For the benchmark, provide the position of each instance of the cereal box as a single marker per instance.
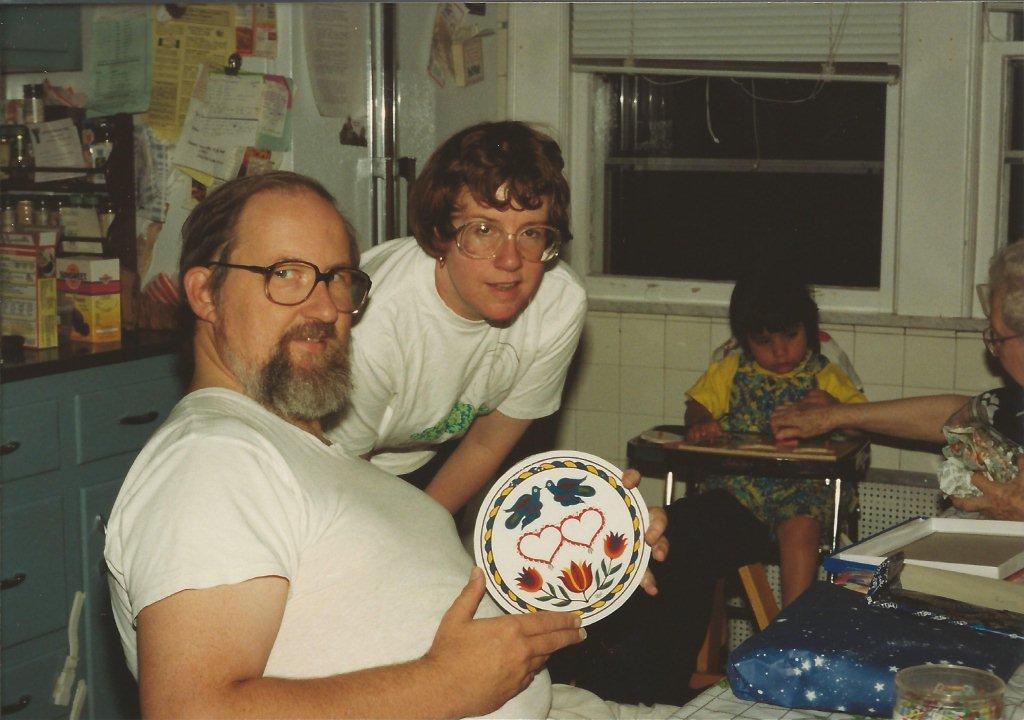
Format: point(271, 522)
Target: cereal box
point(28, 287)
point(90, 298)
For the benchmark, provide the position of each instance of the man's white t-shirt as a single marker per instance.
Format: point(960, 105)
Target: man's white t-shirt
point(226, 491)
point(422, 373)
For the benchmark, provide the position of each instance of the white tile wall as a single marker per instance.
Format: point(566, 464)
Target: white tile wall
point(633, 371)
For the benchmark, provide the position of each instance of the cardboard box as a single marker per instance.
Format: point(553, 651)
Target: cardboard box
point(90, 298)
point(989, 548)
point(28, 286)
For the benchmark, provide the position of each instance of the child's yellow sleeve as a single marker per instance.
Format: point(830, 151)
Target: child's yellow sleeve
point(713, 388)
point(838, 384)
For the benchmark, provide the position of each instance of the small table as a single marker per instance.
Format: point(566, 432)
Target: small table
point(663, 449)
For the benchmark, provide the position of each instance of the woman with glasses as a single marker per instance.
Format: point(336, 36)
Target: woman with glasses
point(922, 418)
point(472, 322)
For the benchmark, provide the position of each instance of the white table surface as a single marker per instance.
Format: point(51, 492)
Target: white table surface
point(718, 703)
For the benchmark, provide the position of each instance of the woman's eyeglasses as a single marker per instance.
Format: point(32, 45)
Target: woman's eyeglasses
point(481, 240)
point(994, 343)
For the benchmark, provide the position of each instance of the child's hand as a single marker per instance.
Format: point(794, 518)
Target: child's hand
point(707, 430)
point(818, 397)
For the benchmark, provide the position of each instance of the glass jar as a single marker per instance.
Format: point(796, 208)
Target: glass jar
point(17, 141)
point(947, 692)
point(107, 214)
point(33, 110)
point(41, 216)
point(7, 216)
point(25, 212)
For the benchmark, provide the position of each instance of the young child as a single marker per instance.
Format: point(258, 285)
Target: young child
point(776, 322)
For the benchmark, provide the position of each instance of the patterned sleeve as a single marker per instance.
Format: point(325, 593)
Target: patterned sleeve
point(713, 388)
point(838, 384)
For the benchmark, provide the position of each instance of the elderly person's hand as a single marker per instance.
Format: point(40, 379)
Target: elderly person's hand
point(655, 535)
point(818, 397)
point(1002, 501)
point(807, 418)
point(708, 430)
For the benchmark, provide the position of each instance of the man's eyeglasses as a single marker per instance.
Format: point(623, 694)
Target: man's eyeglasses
point(291, 282)
point(993, 342)
point(481, 240)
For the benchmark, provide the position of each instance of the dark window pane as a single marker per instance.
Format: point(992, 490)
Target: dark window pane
point(1015, 97)
point(708, 225)
point(1015, 205)
point(804, 178)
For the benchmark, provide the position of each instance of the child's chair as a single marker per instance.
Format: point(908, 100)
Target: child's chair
point(758, 591)
point(708, 669)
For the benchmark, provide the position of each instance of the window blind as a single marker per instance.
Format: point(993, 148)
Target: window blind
point(737, 33)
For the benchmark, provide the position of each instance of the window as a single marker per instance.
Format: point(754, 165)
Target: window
point(1001, 153)
point(707, 135)
point(705, 176)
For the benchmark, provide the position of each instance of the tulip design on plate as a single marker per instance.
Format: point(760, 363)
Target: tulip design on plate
point(614, 545)
point(578, 577)
point(529, 580)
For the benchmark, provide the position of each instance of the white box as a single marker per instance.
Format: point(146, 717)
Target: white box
point(989, 548)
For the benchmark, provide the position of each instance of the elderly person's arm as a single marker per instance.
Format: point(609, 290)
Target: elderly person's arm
point(919, 418)
point(1001, 501)
point(202, 653)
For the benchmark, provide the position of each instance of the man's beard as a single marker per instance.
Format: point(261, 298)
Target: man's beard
point(308, 393)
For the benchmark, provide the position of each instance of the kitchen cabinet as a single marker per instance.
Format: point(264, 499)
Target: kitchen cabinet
point(69, 436)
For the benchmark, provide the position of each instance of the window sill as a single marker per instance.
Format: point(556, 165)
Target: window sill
point(828, 317)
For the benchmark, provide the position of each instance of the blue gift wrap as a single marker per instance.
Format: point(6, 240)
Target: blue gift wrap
point(830, 650)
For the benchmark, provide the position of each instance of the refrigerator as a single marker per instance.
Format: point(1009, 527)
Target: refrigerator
point(388, 97)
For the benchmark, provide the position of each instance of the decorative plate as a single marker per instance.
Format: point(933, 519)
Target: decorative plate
point(560, 532)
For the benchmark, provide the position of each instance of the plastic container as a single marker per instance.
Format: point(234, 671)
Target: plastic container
point(945, 692)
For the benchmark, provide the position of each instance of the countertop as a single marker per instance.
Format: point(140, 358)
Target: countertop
point(25, 364)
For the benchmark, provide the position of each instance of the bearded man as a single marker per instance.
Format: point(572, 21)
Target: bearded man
point(256, 569)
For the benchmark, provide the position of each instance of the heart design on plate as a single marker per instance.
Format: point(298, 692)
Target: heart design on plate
point(582, 528)
point(542, 545)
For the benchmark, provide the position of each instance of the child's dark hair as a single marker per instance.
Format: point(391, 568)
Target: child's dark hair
point(772, 300)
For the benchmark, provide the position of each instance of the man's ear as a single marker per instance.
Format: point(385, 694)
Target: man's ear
point(199, 293)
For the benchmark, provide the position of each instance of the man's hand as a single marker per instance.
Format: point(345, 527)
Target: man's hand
point(803, 419)
point(655, 535)
point(708, 430)
point(1002, 501)
point(487, 661)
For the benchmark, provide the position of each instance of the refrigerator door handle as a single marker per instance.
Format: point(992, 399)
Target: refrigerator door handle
point(407, 172)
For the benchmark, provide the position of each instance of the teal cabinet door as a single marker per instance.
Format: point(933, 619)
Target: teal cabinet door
point(26, 684)
point(30, 443)
point(34, 577)
point(110, 422)
point(113, 692)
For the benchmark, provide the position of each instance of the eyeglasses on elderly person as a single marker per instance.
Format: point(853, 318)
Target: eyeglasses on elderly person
point(291, 282)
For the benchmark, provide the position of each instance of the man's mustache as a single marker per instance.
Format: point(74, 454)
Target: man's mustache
point(315, 330)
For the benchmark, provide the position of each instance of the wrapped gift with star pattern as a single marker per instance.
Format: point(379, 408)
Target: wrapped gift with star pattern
point(830, 650)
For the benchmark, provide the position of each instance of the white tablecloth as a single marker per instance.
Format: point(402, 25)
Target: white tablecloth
point(718, 703)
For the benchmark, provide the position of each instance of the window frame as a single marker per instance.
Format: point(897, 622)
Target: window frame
point(587, 180)
point(993, 173)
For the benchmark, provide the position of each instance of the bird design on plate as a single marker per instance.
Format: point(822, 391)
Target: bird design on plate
point(525, 510)
point(569, 491)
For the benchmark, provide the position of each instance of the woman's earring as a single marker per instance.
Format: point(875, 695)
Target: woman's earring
point(442, 260)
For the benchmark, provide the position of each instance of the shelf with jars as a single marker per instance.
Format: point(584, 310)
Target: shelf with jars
point(95, 210)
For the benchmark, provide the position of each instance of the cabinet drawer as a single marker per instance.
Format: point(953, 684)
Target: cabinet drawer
point(34, 594)
point(30, 443)
point(121, 419)
point(29, 673)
